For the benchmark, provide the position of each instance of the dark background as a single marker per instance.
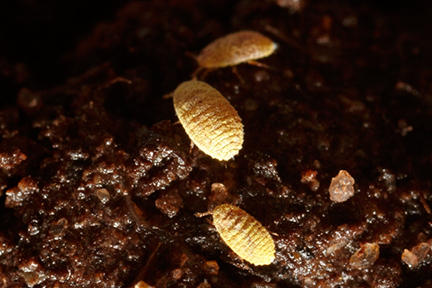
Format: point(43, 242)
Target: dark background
point(38, 33)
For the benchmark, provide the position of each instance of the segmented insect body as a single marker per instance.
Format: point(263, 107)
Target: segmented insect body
point(209, 119)
point(236, 48)
point(244, 234)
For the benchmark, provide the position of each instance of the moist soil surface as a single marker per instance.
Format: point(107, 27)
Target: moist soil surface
point(100, 186)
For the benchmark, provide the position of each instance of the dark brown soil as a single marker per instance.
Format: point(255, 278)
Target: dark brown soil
point(99, 187)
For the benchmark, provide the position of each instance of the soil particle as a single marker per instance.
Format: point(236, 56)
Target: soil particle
point(341, 187)
point(100, 188)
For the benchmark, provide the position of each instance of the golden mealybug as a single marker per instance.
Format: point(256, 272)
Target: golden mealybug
point(235, 48)
point(244, 234)
point(209, 119)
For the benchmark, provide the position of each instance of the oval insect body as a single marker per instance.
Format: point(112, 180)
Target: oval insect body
point(244, 234)
point(209, 119)
point(236, 48)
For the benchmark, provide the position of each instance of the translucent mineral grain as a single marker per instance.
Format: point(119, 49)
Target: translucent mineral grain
point(142, 284)
point(365, 256)
point(417, 254)
point(341, 187)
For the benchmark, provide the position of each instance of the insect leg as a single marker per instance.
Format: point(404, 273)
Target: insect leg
point(235, 71)
point(196, 72)
point(259, 64)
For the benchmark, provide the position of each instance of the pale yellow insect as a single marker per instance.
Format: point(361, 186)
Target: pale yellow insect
point(244, 234)
point(235, 48)
point(209, 119)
